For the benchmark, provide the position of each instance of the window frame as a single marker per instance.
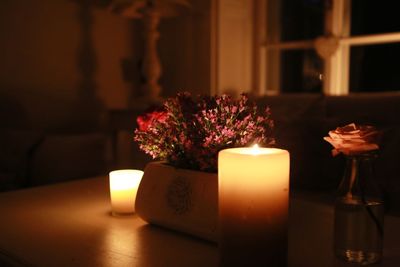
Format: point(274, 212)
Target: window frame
point(336, 73)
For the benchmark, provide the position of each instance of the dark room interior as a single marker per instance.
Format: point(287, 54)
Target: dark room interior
point(78, 78)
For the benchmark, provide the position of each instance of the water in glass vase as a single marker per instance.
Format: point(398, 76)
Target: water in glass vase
point(358, 230)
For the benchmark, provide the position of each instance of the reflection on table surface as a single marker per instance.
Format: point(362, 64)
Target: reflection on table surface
point(70, 224)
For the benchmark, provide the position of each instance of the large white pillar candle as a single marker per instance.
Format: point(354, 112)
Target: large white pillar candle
point(123, 189)
point(253, 206)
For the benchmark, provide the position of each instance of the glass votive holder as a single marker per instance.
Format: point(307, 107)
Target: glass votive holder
point(123, 189)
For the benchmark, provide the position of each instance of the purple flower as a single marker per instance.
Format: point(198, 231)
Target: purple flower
point(191, 132)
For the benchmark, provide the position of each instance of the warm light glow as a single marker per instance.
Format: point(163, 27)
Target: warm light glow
point(255, 150)
point(120, 241)
point(123, 188)
point(253, 185)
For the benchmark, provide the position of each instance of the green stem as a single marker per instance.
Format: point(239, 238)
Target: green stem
point(352, 177)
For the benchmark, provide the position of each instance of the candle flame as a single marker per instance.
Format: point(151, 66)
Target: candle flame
point(255, 149)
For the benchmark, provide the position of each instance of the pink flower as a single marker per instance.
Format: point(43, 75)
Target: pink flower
point(191, 132)
point(353, 139)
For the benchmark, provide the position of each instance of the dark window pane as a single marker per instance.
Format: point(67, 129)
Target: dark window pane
point(375, 68)
point(371, 17)
point(301, 71)
point(301, 20)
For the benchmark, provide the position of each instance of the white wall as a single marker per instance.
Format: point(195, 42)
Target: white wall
point(234, 43)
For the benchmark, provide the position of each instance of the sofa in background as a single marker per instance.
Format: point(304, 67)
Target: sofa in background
point(29, 158)
point(301, 122)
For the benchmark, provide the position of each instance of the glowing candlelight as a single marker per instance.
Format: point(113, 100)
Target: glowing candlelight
point(123, 188)
point(253, 206)
point(255, 149)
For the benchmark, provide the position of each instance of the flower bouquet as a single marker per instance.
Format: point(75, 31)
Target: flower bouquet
point(179, 191)
point(189, 133)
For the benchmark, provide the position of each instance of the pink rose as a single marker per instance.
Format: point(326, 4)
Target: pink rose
point(353, 139)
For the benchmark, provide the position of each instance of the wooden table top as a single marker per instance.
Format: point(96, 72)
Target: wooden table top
point(69, 224)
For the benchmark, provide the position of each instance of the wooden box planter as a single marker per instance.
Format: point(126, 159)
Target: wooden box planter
point(179, 199)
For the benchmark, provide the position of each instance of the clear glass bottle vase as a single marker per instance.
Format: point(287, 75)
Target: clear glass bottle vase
point(359, 213)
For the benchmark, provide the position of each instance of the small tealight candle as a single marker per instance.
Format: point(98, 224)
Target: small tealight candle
point(253, 206)
point(123, 188)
